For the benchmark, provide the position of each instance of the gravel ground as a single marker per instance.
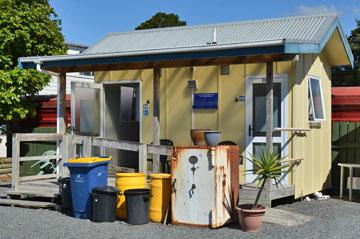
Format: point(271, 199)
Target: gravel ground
point(332, 219)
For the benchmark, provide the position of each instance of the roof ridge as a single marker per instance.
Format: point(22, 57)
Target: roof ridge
point(212, 25)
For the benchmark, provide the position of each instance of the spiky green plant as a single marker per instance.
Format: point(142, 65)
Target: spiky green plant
point(267, 165)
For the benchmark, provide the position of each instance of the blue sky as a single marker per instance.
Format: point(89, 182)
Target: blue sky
point(87, 21)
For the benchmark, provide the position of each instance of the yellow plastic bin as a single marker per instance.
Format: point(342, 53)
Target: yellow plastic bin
point(125, 181)
point(160, 192)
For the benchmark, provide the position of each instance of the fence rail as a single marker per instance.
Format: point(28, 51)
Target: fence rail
point(16, 159)
point(142, 149)
point(67, 149)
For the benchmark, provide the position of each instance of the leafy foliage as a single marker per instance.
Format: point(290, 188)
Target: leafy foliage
point(160, 20)
point(16, 88)
point(27, 28)
point(346, 76)
point(267, 165)
point(354, 40)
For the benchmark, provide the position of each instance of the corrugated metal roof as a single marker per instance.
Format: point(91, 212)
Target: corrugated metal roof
point(288, 36)
point(304, 29)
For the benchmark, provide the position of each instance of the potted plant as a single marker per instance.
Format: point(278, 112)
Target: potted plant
point(267, 166)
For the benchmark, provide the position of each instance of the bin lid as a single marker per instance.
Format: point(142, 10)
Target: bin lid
point(64, 180)
point(89, 159)
point(138, 191)
point(160, 175)
point(106, 190)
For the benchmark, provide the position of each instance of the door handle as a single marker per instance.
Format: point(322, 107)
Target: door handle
point(250, 129)
point(173, 189)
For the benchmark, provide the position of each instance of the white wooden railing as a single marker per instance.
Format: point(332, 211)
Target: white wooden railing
point(16, 159)
point(67, 143)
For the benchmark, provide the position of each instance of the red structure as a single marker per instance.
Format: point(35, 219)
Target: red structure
point(46, 112)
point(345, 104)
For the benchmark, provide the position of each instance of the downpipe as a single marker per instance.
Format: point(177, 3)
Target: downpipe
point(53, 74)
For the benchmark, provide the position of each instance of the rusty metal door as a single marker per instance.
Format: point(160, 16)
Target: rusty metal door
point(204, 185)
point(193, 187)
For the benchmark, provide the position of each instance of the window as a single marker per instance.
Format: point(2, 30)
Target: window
point(316, 101)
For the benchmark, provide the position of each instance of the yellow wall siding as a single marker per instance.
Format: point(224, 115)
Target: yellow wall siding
point(162, 99)
point(125, 75)
point(298, 88)
point(175, 110)
point(147, 95)
point(207, 82)
point(313, 173)
point(178, 106)
point(335, 51)
point(231, 113)
point(101, 76)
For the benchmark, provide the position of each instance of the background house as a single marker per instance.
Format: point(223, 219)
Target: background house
point(45, 119)
point(51, 88)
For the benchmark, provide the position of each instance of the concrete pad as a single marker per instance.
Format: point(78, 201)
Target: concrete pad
point(285, 218)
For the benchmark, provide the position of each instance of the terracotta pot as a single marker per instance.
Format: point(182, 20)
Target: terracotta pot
point(198, 137)
point(250, 219)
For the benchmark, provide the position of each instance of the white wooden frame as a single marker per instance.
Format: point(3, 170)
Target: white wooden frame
point(68, 151)
point(16, 159)
point(312, 100)
point(249, 81)
point(87, 85)
point(124, 82)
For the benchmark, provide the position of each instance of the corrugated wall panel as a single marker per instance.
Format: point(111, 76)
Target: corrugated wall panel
point(175, 109)
point(231, 113)
point(206, 79)
point(314, 172)
point(178, 106)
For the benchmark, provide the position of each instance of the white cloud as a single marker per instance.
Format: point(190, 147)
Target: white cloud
point(356, 11)
point(317, 9)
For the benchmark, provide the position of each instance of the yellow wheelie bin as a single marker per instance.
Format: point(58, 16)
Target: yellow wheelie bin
point(160, 192)
point(125, 181)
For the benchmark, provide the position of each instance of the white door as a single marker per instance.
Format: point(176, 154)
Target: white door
point(256, 118)
point(87, 111)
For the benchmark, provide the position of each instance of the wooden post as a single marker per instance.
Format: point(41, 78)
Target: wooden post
point(60, 119)
point(269, 113)
point(15, 162)
point(61, 103)
point(143, 158)
point(65, 155)
point(350, 183)
point(71, 146)
point(87, 145)
point(269, 105)
point(341, 181)
point(156, 118)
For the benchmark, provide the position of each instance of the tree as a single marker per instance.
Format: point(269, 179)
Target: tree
point(27, 28)
point(160, 20)
point(354, 40)
point(347, 76)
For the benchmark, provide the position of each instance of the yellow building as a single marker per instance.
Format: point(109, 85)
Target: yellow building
point(230, 64)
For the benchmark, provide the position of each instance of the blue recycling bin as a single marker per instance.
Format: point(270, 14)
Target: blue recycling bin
point(86, 174)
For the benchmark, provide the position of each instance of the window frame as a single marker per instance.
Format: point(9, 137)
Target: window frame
point(310, 77)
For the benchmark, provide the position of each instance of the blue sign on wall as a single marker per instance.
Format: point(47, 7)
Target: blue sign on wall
point(146, 109)
point(205, 101)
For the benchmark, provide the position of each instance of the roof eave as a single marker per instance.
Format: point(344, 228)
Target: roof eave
point(206, 52)
point(316, 48)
